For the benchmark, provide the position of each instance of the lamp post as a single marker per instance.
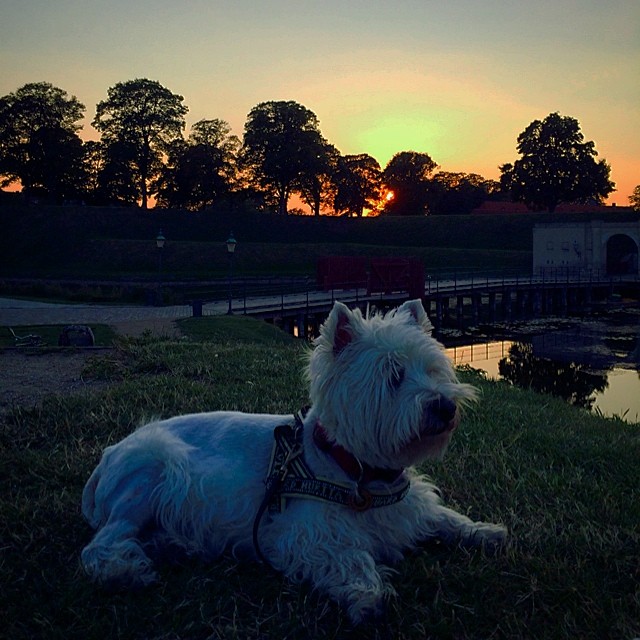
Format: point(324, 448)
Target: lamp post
point(231, 247)
point(160, 240)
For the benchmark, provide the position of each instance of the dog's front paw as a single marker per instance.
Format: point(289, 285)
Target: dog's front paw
point(491, 537)
point(366, 605)
point(123, 565)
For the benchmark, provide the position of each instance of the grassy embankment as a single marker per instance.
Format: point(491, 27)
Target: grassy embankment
point(49, 243)
point(120, 243)
point(565, 482)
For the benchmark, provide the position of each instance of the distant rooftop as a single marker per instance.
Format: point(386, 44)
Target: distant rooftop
point(518, 207)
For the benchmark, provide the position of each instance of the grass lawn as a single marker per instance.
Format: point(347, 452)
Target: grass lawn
point(565, 482)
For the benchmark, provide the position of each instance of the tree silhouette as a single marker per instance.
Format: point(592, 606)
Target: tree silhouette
point(39, 143)
point(358, 181)
point(94, 163)
point(201, 170)
point(142, 118)
point(556, 166)
point(56, 163)
point(634, 198)
point(458, 193)
point(315, 184)
point(408, 176)
point(282, 141)
point(117, 180)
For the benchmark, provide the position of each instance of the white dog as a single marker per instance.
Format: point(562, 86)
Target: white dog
point(332, 499)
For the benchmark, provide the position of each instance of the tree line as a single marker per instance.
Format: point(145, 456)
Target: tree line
point(143, 152)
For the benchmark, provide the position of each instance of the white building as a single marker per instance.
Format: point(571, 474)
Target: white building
point(603, 247)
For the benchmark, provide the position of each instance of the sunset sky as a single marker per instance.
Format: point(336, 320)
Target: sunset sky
point(458, 80)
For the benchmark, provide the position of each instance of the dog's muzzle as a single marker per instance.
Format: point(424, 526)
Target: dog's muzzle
point(440, 416)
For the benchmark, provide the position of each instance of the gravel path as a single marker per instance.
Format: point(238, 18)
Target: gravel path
point(27, 378)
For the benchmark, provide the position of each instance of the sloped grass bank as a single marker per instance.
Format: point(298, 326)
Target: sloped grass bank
point(565, 483)
point(104, 243)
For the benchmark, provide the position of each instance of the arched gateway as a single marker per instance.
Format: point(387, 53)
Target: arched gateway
point(622, 255)
point(605, 248)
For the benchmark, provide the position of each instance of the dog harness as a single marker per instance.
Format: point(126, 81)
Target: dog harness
point(290, 477)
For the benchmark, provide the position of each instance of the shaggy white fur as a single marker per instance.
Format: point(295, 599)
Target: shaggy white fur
point(382, 388)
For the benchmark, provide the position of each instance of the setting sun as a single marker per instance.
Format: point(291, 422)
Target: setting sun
point(379, 207)
point(456, 80)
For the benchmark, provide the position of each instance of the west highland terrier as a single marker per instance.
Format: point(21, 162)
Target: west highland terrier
point(330, 498)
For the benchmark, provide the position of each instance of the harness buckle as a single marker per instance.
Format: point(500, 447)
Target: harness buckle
point(360, 500)
point(291, 456)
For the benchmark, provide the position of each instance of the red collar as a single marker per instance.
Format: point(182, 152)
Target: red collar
point(356, 470)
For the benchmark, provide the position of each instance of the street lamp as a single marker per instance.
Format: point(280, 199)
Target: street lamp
point(231, 247)
point(160, 240)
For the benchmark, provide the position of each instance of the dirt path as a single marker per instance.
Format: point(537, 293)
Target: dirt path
point(26, 378)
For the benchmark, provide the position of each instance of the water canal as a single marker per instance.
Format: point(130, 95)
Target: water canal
point(592, 362)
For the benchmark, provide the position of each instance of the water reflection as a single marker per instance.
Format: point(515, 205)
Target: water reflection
point(594, 364)
point(482, 355)
point(569, 380)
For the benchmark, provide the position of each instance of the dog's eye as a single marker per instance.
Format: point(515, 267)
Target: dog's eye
point(397, 377)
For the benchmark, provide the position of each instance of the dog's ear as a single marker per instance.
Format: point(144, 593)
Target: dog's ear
point(339, 325)
point(419, 315)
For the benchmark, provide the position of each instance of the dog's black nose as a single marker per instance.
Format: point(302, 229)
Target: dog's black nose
point(445, 409)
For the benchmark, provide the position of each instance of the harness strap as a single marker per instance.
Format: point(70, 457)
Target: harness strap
point(321, 489)
point(290, 477)
point(274, 482)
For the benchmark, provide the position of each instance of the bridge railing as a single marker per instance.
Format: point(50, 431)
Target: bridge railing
point(456, 280)
point(254, 295)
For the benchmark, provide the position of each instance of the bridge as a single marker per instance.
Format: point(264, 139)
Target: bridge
point(450, 298)
point(299, 306)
